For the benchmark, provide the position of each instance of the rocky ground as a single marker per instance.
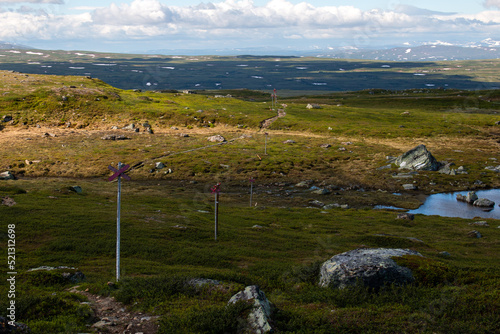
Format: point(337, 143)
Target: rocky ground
point(112, 316)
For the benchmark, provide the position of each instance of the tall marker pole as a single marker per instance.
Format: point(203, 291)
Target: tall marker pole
point(118, 174)
point(216, 190)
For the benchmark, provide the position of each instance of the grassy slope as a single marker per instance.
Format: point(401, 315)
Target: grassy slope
point(57, 227)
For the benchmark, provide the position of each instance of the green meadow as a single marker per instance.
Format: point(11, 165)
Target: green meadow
point(53, 140)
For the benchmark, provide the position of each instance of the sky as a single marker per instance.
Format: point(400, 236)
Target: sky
point(146, 25)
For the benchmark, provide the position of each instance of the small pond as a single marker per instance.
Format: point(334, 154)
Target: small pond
point(446, 205)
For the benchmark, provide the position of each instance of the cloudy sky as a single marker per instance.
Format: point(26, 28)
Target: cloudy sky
point(135, 25)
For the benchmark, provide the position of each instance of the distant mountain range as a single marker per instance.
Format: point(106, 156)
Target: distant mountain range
point(7, 46)
point(486, 49)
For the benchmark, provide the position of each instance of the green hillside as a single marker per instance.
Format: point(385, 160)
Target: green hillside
point(56, 132)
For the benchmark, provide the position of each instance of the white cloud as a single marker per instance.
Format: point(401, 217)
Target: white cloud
point(492, 3)
point(57, 2)
point(238, 20)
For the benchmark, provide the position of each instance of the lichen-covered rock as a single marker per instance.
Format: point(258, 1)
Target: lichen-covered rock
point(259, 317)
point(373, 268)
point(418, 158)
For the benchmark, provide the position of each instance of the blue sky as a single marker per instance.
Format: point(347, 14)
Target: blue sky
point(135, 25)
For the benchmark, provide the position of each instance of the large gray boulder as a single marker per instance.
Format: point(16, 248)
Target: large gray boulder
point(372, 267)
point(260, 315)
point(484, 203)
point(418, 158)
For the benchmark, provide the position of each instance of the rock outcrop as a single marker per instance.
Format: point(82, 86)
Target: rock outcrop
point(372, 268)
point(259, 317)
point(418, 158)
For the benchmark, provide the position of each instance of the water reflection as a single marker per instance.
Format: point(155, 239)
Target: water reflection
point(446, 205)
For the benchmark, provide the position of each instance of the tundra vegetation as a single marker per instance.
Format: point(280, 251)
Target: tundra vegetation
point(52, 138)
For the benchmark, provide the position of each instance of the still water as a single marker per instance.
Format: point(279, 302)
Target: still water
point(446, 205)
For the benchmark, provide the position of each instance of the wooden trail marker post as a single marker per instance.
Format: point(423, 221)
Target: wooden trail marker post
point(252, 180)
point(216, 191)
point(118, 173)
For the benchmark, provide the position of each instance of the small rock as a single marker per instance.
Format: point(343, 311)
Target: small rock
point(183, 135)
point(216, 139)
point(76, 189)
point(6, 176)
point(444, 254)
point(304, 184)
point(409, 186)
point(180, 227)
point(7, 201)
point(474, 234)
point(323, 191)
point(325, 146)
point(6, 118)
point(480, 223)
point(316, 203)
point(289, 141)
point(159, 165)
point(129, 127)
point(405, 216)
point(115, 137)
point(331, 206)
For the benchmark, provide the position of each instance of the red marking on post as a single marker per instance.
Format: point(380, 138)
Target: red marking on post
point(119, 172)
point(216, 188)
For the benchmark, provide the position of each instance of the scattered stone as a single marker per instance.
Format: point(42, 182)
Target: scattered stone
point(159, 165)
point(444, 254)
point(183, 135)
point(344, 206)
point(76, 189)
point(216, 139)
point(482, 223)
point(6, 118)
point(405, 216)
point(316, 203)
point(69, 273)
point(331, 206)
point(483, 203)
point(474, 234)
point(323, 191)
point(180, 227)
point(115, 137)
point(418, 158)
point(199, 282)
point(7, 201)
point(495, 169)
point(174, 128)
point(6, 176)
point(373, 268)
point(325, 146)
point(46, 135)
point(258, 227)
point(289, 141)
point(258, 320)
point(313, 106)
point(304, 184)
point(129, 127)
point(409, 186)
point(342, 149)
